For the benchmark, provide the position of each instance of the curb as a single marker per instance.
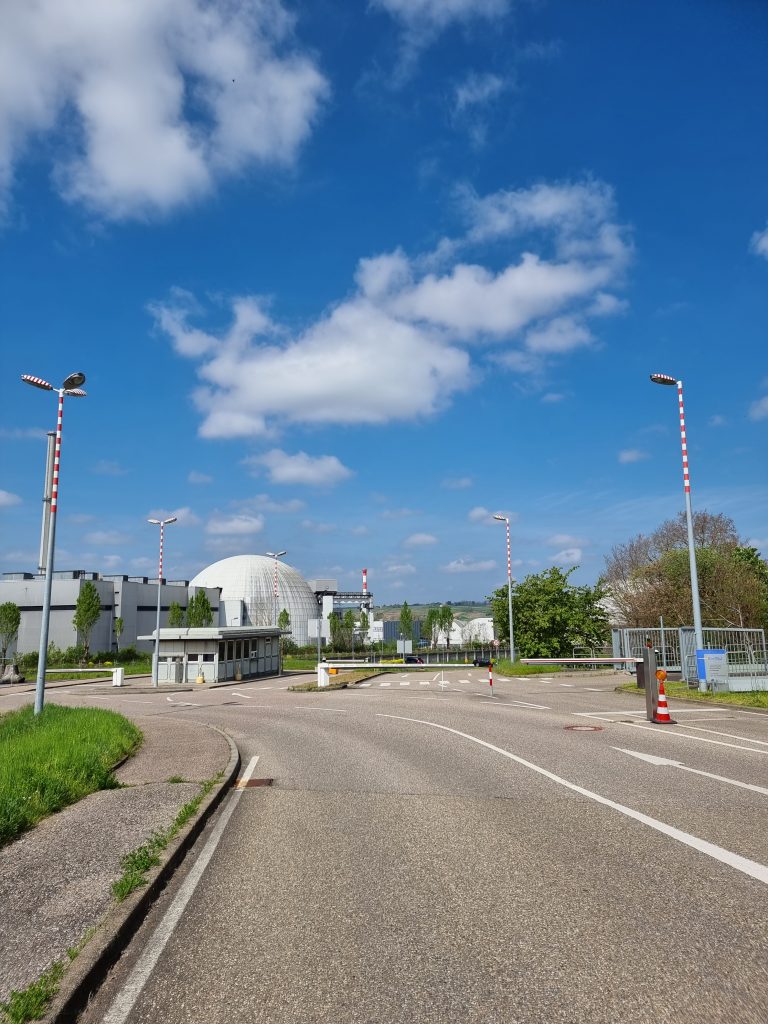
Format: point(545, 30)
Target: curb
point(703, 703)
point(121, 923)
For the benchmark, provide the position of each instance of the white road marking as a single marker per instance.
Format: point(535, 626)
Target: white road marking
point(685, 736)
point(730, 735)
point(306, 707)
point(665, 761)
point(405, 684)
point(182, 703)
point(734, 860)
point(571, 685)
point(594, 689)
point(362, 686)
point(385, 684)
point(540, 707)
point(125, 1001)
point(236, 694)
point(423, 682)
point(467, 681)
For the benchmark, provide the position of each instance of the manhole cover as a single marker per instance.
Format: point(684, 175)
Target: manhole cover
point(583, 728)
point(253, 782)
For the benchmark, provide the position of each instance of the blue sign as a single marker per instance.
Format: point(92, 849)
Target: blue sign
point(704, 660)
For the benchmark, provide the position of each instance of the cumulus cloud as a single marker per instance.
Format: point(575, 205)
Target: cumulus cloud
point(434, 317)
point(426, 18)
point(403, 569)
point(759, 243)
point(457, 483)
point(717, 420)
point(147, 104)
point(478, 514)
point(199, 478)
point(22, 433)
point(268, 504)
point(467, 565)
point(184, 516)
point(108, 467)
point(7, 499)
point(568, 556)
point(417, 540)
point(627, 455)
point(316, 471)
point(559, 539)
point(759, 410)
point(310, 524)
point(235, 525)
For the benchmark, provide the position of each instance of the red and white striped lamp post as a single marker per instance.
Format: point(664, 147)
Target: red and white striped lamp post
point(71, 386)
point(505, 519)
point(275, 555)
point(162, 523)
point(664, 378)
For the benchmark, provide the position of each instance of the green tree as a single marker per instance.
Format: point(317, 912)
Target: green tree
point(429, 626)
point(199, 611)
point(406, 622)
point(175, 615)
point(87, 612)
point(10, 620)
point(119, 626)
point(445, 623)
point(551, 615)
point(364, 623)
point(337, 631)
point(283, 623)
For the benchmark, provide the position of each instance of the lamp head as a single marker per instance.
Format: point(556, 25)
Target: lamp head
point(75, 392)
point(74, 380)
point(36, 382)
point(664, 378)
point(501, 519)
point(155, 522)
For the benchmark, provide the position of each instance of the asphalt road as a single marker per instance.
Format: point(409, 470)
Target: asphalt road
point(430, 853)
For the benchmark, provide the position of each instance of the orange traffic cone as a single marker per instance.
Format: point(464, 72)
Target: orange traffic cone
point(662, 716)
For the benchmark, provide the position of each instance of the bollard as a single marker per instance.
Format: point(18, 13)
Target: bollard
point(322, 674)
point(118, 676)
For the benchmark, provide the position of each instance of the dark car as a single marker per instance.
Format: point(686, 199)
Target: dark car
point(482, 662)
point(411, 659)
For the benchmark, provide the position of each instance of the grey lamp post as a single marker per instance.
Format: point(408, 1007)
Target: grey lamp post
point(505, 519)
point(71, 386)
point(275, 555)
point(664, 378)
point(162, 523)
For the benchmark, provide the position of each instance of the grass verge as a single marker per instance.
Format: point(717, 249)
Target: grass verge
point(31, 1002)
point(54, 759)
point(747, 699)
point(138, 862)
point(516, 668)
point(339, 682)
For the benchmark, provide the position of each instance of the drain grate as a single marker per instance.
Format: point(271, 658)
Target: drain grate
point(583, 728)
point(252, 783)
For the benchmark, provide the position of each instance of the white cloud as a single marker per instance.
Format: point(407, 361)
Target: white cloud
point(112, 86)
point(417, 540)
point(268, 504)
point(559, 539)
point(627, 455)
point(111, 561)
point(427, 319)
point(405, 569)
point(717, 420)
point(310, 524)
point(107, 467)
point(398, 513)
point(478, 514)
point(7, 499)
point(235, 526)
point(552, 397)
point(199, 478)
point(457, 483)
point(759, 243)
point(467, 565)
point(23, 433)
point(759, 409)
point(106, 538)
point(316, 471)
point(184, 516)
point(477, 89)
point(81, 518)
point(427, 17)
point(569, 556)
point(360, 531)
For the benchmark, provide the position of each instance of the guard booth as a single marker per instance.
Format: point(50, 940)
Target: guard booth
point(217, 654)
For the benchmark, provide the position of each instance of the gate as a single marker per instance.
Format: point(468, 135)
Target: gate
point(747, 653)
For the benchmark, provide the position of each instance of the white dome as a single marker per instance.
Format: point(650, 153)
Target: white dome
point(250, 578)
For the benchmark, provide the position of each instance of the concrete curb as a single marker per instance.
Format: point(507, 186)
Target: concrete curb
point(703, 703)
point(113, 934)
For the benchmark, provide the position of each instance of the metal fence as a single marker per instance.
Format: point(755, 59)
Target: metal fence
point(747, 653)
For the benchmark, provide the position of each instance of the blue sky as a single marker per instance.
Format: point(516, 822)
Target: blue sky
point(346, 278)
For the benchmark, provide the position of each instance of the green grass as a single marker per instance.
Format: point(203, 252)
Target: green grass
point(137, 864)
point(749, 699)
point(31, 1003)
point(142, 667)
point(508, 668)
point(53, 759)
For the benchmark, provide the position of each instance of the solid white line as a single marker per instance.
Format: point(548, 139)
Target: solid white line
point(685, 736)
point(182, 703)
point(733, 860)
point(236, 694)
point(541, 707)
point(405, 684)
point(305, 707)
point(385, 684)
point(124, 1003)
point(746, 739)
point(362, 686)
point(571, 685)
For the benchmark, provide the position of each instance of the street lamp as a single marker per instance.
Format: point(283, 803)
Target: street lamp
point(162, 523)
point(275, 555)
point(664, 378)
point(71, 386)
point(505, 519)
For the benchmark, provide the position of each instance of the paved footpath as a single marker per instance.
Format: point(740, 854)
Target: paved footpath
point(55, 881)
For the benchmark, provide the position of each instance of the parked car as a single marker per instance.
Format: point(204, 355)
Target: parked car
point(481, 662)
point(411, 659)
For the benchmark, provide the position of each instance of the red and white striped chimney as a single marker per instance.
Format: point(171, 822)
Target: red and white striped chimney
point(365, 581)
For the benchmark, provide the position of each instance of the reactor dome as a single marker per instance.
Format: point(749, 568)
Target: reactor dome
point(250, 579)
